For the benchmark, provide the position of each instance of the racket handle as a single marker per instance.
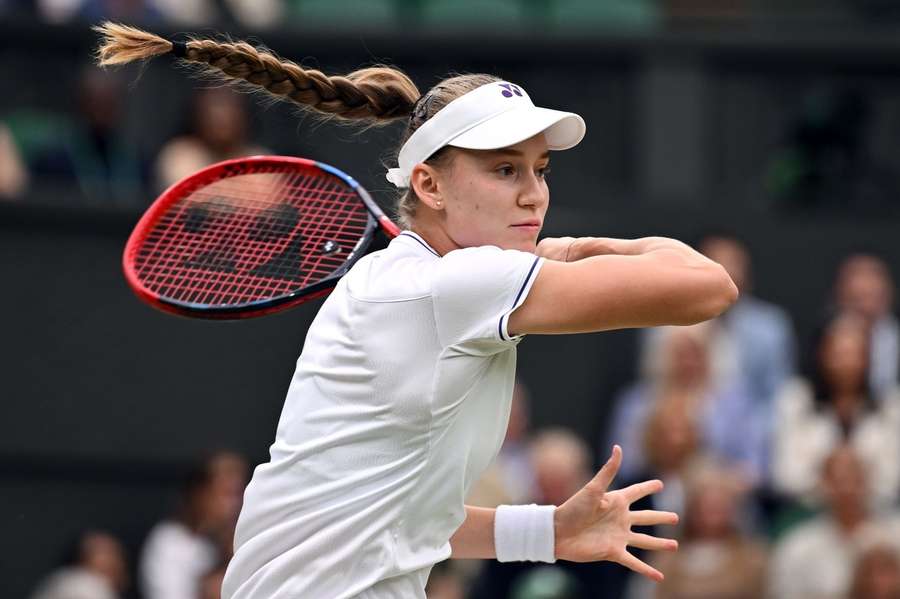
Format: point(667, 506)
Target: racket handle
point(388, 226)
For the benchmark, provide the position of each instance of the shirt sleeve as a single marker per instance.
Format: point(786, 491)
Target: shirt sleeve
point(476, 289)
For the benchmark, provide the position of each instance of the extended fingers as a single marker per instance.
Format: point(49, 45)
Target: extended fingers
point(633, 563)
point(653, 518)
point(641, 490)
point(609, 470)
point(643, 541)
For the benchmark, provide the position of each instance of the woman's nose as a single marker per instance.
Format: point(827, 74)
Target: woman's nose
point(534, 193)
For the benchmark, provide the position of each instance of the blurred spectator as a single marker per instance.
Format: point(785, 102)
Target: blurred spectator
point(445, 582)
point(562, 465)
point(671, 445)
point(837, 406)
point(219, 131)
point(864, 287)
point(251, 13)
point(715, 559)
point(126, 11)
point(94, 568)
point(754, 340)
point(670, 440)
point(13, 175)
point(510, 477)
point(679, 368)
point(92, 149)
point(179, 552)
point(760, 332)
point(815, 560)
point(256, 13)
point(211, 583)
point(549, 582)
point(877, 574)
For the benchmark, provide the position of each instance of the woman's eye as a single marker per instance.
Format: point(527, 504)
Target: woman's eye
point(506, 171)
point(543, 172)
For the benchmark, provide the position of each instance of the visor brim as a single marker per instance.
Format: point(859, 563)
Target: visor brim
point(563, 130)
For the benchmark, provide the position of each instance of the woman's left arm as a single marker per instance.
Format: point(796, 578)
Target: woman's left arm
point(593, 525)
point(475, 538)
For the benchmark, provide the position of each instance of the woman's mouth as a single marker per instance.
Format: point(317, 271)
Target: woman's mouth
point(531, 226)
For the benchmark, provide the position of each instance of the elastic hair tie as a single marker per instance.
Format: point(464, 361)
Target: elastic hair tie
point(179, 48)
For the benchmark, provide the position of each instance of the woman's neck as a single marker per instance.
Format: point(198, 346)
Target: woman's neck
point(434, 235)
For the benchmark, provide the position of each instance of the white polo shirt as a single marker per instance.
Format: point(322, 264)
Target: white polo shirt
point(400, 400)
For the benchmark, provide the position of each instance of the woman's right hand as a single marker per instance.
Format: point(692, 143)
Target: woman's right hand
point(572, 249)
point(595, 524)
point(555, 248)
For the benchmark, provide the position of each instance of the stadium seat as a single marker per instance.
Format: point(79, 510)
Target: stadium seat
point(472, 13)
point(640, 15)
point(344, 14)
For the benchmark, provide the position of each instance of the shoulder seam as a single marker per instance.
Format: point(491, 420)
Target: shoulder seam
point(389, 301)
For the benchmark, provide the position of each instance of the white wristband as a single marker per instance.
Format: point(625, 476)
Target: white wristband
point(524, 533)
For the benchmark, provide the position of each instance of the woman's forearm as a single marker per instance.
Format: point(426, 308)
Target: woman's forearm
point(474, 539)
point(585, 247)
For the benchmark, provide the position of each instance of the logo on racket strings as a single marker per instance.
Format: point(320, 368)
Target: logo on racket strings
point(330, 247)
point(273, 234)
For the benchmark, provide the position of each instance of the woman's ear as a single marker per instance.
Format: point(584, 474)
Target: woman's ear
point(424, 181)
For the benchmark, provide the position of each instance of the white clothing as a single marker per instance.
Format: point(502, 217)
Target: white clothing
point(173, 561)
point(400, 400)
point(816, 559)
point(804, 436)
point(75, 583)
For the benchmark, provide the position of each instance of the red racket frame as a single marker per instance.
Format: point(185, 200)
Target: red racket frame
point(222, 170)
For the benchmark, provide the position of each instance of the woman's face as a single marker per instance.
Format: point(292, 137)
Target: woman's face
point(496, 197)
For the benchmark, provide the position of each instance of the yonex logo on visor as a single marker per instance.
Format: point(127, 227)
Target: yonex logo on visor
point(509, 89)
point(485, 120)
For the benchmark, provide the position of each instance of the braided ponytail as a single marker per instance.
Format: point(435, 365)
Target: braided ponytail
point(375, 95)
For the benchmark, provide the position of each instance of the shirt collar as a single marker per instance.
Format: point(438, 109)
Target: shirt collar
point(415, 240)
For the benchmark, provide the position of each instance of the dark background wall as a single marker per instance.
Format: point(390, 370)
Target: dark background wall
point(105, 401)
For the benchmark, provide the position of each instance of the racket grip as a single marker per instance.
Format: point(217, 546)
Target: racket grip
point(388, 226)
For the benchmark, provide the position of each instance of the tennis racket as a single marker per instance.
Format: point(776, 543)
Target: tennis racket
point(251, 236)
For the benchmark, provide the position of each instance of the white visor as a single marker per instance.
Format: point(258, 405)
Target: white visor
point(495, 115)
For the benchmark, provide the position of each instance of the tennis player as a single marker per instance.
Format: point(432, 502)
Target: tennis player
point(402, 392)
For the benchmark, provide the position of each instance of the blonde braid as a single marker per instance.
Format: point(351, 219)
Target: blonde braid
point(376, 95)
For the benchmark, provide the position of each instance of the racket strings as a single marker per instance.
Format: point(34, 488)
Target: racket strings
point(250, 237)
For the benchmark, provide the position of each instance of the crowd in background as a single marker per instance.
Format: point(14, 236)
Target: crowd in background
point(783, 462)
point(91, 145)
point(640, 15)
point(89, 150)
point(183, 556)
point(782, 458)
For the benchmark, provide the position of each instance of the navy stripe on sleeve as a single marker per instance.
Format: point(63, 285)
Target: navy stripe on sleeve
point(519, 295)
